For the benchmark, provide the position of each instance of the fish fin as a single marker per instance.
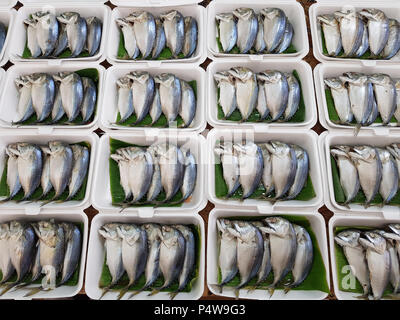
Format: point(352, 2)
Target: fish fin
point(155, 291)
point(252, 288)
point(8, 288)
point(123, 292)
point(172, 295)
point(393, 296)
point(33, 292)
point(135, 293)
point(5, 200)
point(362, 297)
point(271, 291)
point(237, 290)
point(105, 291)
point(287, 289)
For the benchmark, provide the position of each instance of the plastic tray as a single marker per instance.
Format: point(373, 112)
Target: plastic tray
point(7, 17)
point(153, 3)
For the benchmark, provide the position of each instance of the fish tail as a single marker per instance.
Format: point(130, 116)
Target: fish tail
point(105, 291)
point(172, 295)
point(7, 288)
point(287, 289)
point(362, 297)
point(252, 288)
point(135, 293)
point(33, 291)
point(393, 296)
point(5, 200)
point(155, 291)
point(123, 292)
point(237, 290)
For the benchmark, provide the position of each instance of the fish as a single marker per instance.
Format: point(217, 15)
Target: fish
point(43, 92)
point(227, 258)
point(227, 92)
point(77, 32)
point(13, 181)
point(58, 109)
point(113, 248)
point(3, 34)
point(284, 167)
point(360, 94)
point(81, 158)
point(94, 32)
point(392, 46)
point(144, 27)
point(274, 27)
point(341, 99)
point(123, 166)
point(374, 113)
point(61, 165)
point(283, 246)
point(25, 106)
point(247, 27)
point(378, 260)
point(142, 93)
point(286, 39)
point(369, 168)
point(265, 267)
point(251, 164)
point(160, 40)
point(128, 32)
point(190, 39)
point(364, 46)
point(378, 29)
point(6, 266)
point(72, 254)
point(301, 172)
point(230, 166)
point(174, 27)
point(293, 97)
point(134, 252)
point(155, 185)
point(89, 99)
point(72, 91)
point(227, 30)
point(189, 175)
point(331, 29)
point(155, 110)
point(351, 30)
point(395, 229)
point(250, 251)
point(246, 90)
point(397, 111)
point(390, 176)
point(45, 182)
point(125, 98)
point(394, 150)
point(262, 101)
point(276, 90)
point(304, 257)
point(355, 255)
point(170, 95)
point(385, 95)
point(31, 36)
point(30, 163)
point(62, 40)
point(187, 109)
point(46, 31)
point(259, 43)
point(348, 174)
point(267, 179)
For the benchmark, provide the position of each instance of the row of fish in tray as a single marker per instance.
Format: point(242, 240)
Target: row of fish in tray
point(373, 256)
point(281, 168)
point(269, 31)
point(48, 35)
point(272, 93)
point(253, 249)
point(375, 170)
point(43, 247)
point(51, 97)
point(55, 166)
point(146, 36)
point(351, 34)
point(363, 98)
point(141, 94)
point(150, 250)
point(147, 171)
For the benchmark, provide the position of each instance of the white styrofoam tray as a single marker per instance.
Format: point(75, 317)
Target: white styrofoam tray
point(305, 74)
point(347, 221)
point(74, 216)
point(335, 69)
point(85, 9)
point(390, 8)
point(33, 208)
point(306, 139)
point(325, 142)
point(152, 3)
point(293, 10)
point(8, 3)
point(7, 17)
point(96, 254)
point(10, 96)
point(185, 72)
point(101, 195)
point(196, 11)
point(317, 223)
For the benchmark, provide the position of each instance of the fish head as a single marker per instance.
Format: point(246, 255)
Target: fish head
point(57, 147)
point(225, 17)
point(244, 13)
point(277, 226)
point(16, 230)
point(124, 82)
point(131, 153)
point(38, 78)
point(23, 81)
point(270, 76)
point(334, 83)
point(373, 14)
point(374, 241)
point(48, 232)
point(394, 149)
point(43, 17)
point(153, 231)
point(140, 16)
point(224, 76)
point(171, 15)
point(169, 153)
point(140, 76)
point(278, 148)
point(380, 79)
point(328, 19)
point(30, 22)
point(384, 155)
point(69, 17)
point(242, 74)
point(169, 234)
point(69, 230)
point(92, 20)
point(300, 152)
point(355, 78)
point(265, 152)
point(271, 13)
point(395, 228)
point(26, 150)
point(118, 157)
point(346, 14)
point(363, 153)
point(78, 150)
point(12, 150)
point(185, 230)
point(121, 22)
point(67, 77)
point(109, 231)
point(340, 151)
point(224, 148)
point(248, 148)
point(165, 79)
point(224, 224)
point(348, 238)
point(4, 231)
point(129, 232)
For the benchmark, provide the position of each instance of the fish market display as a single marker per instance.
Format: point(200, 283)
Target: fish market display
point(244, 31)
point(256, 249)
point(65, 98)
point(169, 36)
point(270, 96)
point(149, 257)
point(279, 169)
point(368, 175)
point(66, 35)
point(161, 174)
point(45, 173)
point(374, 259)
point(365, 99)
point(162, 100)
point(367, 34)
point(39, 256)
